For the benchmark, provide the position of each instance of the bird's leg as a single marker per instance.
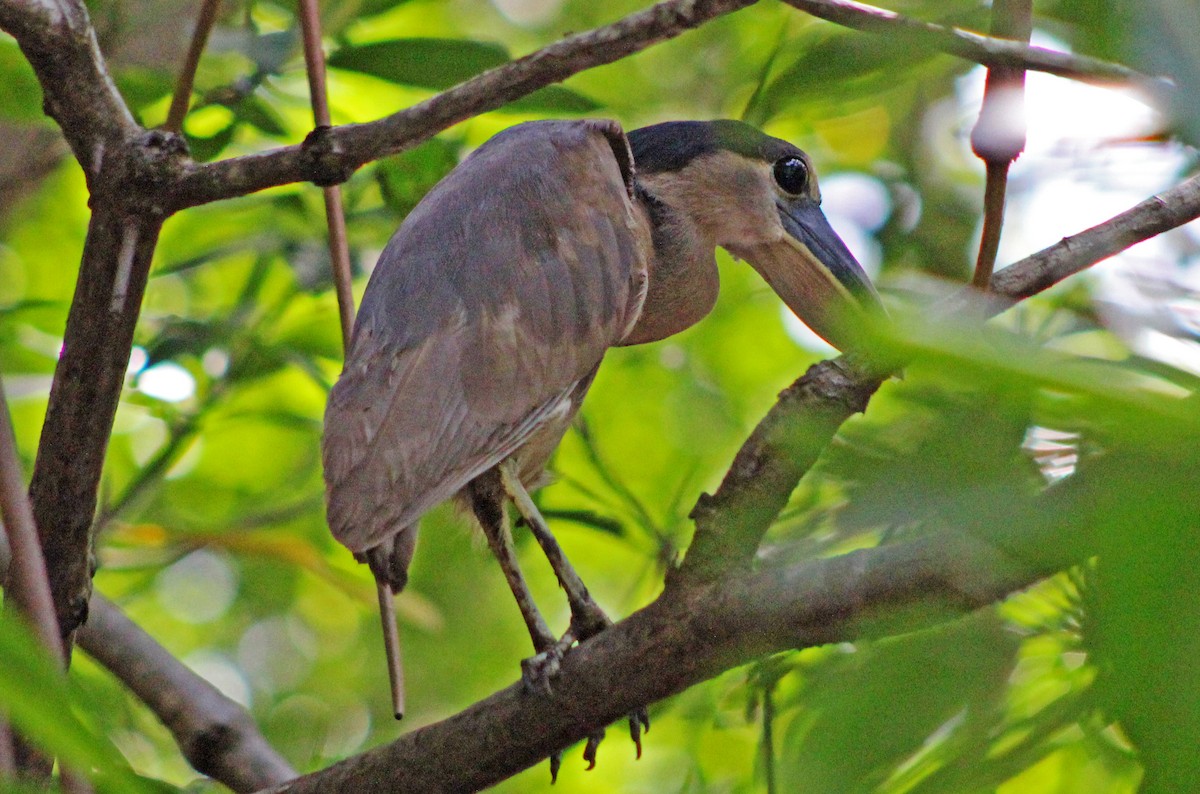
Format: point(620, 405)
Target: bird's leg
point(587, 618)
point(487, 502)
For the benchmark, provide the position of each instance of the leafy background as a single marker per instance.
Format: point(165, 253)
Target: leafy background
point(212, 529)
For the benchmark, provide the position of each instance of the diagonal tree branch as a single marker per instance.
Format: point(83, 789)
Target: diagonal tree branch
point(690, 635)
point(60, 43)
point(83, 401)
point(330, 156)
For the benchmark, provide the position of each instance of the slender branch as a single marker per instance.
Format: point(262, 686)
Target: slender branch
point(215, 734)
point(690, 635)
point(335, 217)
point(1170, 209)
point(999, 135)
point(26, 586)
point(730, 524)
point(975, 47)
point(330, 156)
point(187, 73)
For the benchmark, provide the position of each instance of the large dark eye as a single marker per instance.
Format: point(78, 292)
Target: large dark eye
point(791, 174)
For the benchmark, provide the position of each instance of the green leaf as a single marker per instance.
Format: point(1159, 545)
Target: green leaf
point(260, 115)
point(205, 149)
point(840, 60)
point(556, 99)
point(424, 63)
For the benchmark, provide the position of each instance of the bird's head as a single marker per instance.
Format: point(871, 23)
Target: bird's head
point(757, 197)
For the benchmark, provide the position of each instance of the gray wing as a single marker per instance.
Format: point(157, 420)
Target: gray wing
point(501, 290)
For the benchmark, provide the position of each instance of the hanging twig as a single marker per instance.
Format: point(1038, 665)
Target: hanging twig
point(187, 74)
point(339, 250)
point(999, 135)
point(339, 253)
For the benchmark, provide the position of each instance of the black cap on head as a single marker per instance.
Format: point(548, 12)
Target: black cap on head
point(672, 145)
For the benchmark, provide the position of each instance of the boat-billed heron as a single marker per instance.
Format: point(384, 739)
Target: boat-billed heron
point(490, 310)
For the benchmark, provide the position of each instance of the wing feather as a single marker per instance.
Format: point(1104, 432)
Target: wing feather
point(499, 293)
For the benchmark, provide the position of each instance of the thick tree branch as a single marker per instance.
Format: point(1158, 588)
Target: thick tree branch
point(83, 400)
point(690, 635)
point(976, 47)
point(786, 443)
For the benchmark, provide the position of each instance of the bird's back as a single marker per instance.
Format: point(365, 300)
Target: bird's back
point(499, 293)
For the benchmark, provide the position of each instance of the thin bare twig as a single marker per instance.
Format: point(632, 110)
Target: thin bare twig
point(26, 587)
point(975, 47)
point(999, 135)
point(335, 217)
point(339, 252)
point(187, 74)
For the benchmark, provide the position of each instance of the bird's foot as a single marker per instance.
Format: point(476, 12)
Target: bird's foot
point(587, 620)
point(539, 669)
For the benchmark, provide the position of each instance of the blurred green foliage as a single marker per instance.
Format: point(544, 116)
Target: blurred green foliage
point(212, 529)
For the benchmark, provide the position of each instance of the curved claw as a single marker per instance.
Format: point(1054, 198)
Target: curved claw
point(639, 721)
point(555, 765)
point(589, 749)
